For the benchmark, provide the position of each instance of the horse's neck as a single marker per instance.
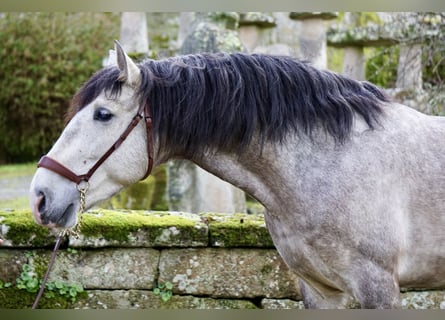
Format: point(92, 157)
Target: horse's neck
point(260, 175)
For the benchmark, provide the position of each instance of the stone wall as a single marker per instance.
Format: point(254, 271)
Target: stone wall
point(123, 259)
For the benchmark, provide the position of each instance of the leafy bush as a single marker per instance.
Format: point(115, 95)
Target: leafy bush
point(381, 66)
point(45, 57)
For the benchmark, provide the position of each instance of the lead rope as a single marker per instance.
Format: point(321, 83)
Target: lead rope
point(75, 231)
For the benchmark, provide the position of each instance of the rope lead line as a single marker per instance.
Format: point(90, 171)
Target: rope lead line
point(75, 231)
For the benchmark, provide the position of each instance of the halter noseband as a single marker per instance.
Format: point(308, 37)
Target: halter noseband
point(143, 113)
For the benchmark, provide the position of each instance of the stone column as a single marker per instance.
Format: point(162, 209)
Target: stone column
point(409, 69)
point(253, 27)
point(133, 35)
point(354, 63)
point(185, 24)
point(354, 57)
point(190, 188)
point(313, 36)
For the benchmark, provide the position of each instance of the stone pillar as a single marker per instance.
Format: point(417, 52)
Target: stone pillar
point(409, 69)
point(279, 40)
point(253, 27)
point(354, 65)
point(190, 188)
point(313, 36)
point(185, 24)
point(133, 35)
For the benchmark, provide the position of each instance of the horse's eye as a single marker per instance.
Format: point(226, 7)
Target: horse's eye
point(102, 114)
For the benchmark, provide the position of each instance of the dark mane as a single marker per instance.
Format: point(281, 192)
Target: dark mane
point(221, 100)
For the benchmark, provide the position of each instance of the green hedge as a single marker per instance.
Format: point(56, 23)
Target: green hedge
point(45, 57)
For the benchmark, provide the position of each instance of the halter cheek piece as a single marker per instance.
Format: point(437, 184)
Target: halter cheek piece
point(143, 113)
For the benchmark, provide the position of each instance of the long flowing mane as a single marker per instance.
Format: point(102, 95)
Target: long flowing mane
point(222, 100)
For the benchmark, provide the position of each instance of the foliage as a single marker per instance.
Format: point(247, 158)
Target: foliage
point(29, 281)
point(427, 28)
point(5, 284)
point(381, 66)
point(164, 290)
point(45, 57)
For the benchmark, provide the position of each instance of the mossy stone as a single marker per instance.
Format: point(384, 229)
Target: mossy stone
point(137, 196)
point(18, 229)
point(140, 228)
point(238, 230)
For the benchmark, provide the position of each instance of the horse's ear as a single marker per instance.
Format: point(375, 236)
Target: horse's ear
point(129, 71)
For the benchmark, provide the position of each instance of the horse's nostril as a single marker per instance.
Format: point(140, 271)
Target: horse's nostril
point(42, 202)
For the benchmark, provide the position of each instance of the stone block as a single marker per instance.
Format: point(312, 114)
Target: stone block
point(238, 230)
point(141, 299)
point(225, 273)
point(11, 262)
point(281, 304)
point(18, 229)
point(104, 228)
point(434, 299)
point(134, 268)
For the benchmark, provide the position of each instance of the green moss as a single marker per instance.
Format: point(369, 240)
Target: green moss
point(144, 195)
point(13, 298)
point(238, 230)
point(158, 201)
point(119, 225)
point(20, 203)
point(17, 170)
point(266, 269)
point(229, 20)
point(138, 196)
point(143, 228)
point(22, 230)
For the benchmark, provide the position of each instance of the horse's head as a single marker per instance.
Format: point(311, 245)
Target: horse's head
point(94, 128)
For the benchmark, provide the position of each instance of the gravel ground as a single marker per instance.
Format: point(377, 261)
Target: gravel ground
point(11, 188)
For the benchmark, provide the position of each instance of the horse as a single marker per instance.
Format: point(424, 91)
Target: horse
point(352, 182)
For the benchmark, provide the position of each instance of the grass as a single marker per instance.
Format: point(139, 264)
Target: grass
point(11, 171)
point(21, 203)
point(17, 170)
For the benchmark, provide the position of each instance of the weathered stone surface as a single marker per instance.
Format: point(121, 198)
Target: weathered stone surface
point(123, 277)
point(227, 273)
point(259, 19)
point(11, 262)
point(281, 304)
point(423, 299)
point(18, 229)
point(137, 196)
point(141, 299)
point(313, 15)
point(369, 36)
point(192, 189)
point(103, 228)
point(105, 268)
point(133, 35)
point(238, 230)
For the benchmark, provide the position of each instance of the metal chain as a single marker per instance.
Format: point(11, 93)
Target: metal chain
point(75, 231)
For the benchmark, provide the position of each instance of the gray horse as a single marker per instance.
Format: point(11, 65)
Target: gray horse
point(353, 183)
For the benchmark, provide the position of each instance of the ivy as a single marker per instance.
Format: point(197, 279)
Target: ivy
point(29, 282)
point(164, 290)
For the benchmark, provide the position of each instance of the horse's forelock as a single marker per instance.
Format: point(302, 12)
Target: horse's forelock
point(106, 79)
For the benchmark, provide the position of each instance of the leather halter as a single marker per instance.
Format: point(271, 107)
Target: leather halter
point(143, 113)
